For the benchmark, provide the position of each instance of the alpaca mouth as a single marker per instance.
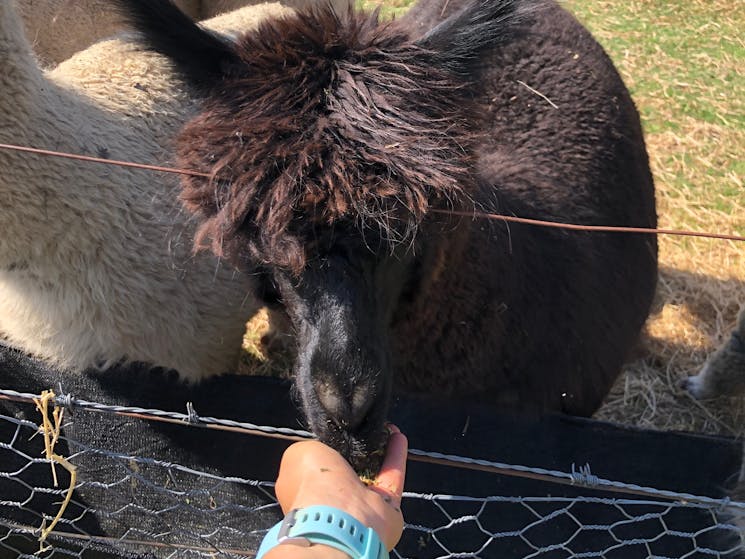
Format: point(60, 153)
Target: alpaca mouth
point(348, 410)
point(354, 425)
point(363, 447)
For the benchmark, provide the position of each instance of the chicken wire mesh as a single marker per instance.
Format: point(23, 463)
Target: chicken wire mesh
point(125, 504)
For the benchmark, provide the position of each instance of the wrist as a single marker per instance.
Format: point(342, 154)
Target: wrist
point(320, 525)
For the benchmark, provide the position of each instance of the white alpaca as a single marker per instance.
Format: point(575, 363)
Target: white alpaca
point(57, 29)
point(212, 8)
point(95, 261)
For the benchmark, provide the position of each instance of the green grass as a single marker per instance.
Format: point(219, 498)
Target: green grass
point(388, 8)
point(684, 62)
point(678, 51)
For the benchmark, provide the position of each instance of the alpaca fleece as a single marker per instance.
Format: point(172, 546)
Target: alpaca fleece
point(724, 371)
point(360, 146)
point(57, 29)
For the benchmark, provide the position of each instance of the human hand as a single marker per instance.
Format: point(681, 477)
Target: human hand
point(312, 473)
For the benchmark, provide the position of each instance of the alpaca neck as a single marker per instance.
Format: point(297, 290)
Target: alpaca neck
point(20, 85)
point(20, 76)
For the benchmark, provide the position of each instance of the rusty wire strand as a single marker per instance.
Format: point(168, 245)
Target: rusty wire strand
point(473, 214)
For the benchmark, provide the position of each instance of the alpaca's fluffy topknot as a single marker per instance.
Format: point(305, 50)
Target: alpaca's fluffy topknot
point(326, 120)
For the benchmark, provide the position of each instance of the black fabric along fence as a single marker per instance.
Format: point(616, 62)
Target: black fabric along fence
point(167, 479)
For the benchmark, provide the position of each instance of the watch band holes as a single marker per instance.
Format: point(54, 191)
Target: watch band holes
point(317, 516)
point(305, 517)
point(341, 523)
point(329, 519)
point(352, 530)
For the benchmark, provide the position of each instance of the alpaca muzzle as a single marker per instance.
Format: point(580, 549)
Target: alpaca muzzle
point(351, 417)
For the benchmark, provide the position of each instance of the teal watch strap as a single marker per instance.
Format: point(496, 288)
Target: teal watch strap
point(328, 526)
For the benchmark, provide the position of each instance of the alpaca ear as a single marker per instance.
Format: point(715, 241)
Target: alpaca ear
point(460, 40)
point(200, 56)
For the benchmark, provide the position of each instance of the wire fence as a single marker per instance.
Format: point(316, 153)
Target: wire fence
point(126, 503)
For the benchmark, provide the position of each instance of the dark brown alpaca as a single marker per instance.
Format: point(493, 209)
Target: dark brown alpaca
point(332, 138)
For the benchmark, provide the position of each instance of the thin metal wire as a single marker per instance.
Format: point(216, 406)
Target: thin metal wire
point(473, 214)
point(66, 400)
point(113, 162)
point(581, 477)
point(126, 541)
point(164, 531)
point(591, 228)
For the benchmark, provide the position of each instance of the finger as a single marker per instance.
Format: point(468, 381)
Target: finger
point(394, 463)
point(393, 472)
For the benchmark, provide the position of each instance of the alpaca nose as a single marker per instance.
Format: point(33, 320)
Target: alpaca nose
point(346, 406)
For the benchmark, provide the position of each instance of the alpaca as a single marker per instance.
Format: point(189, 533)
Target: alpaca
point(337, 145)
point(96, 262)
point(724, 371)
point(212, 8)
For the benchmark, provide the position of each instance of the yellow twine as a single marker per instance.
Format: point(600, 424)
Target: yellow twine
point(50, 429)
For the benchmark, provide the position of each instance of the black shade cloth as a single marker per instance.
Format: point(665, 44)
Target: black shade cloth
point(137, 479)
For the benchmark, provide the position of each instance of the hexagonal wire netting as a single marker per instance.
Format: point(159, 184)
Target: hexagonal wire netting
point(125, 505)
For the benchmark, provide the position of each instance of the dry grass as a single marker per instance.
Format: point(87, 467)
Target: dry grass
point(684, 61)
point(256, 356)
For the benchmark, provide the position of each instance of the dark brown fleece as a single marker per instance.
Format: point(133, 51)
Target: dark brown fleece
point(523, 316)
point(326, 119)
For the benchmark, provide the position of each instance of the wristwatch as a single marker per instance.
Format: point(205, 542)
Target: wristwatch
point(328, 526)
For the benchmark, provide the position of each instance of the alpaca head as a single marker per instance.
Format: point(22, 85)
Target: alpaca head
point(329, 139)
